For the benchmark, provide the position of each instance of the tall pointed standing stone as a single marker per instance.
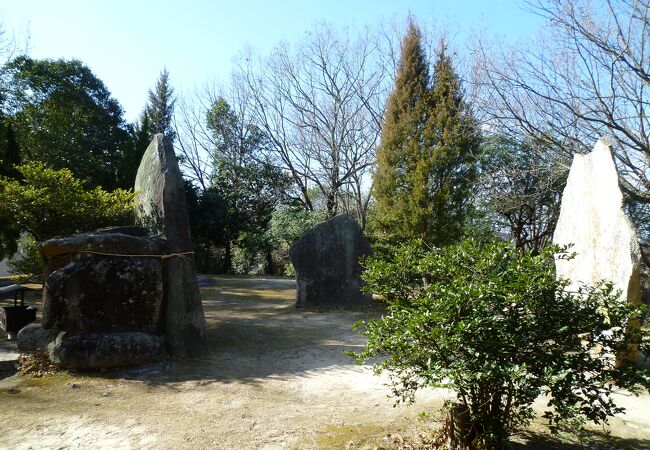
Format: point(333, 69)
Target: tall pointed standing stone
point(592, 218)
point(160, 207)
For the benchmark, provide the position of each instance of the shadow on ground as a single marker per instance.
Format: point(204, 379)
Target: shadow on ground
point(255, 332)
point(592, 440)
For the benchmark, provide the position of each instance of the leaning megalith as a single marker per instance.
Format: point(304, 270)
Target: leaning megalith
point(593, 220)
point(161, 208)
point(326, 262)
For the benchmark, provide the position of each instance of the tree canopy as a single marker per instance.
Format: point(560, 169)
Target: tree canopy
point(427, 160)
point(63, 116)
point(51, 202)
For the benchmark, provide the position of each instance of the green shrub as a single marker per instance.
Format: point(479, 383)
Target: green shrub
point(27, 264)
point(49, 203)
point(496, 326)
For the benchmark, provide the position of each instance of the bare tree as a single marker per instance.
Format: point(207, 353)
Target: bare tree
point(588, 76)
point(321, 104)
point(195, 143)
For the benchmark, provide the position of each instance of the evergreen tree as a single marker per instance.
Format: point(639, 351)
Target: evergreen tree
point(426, 162)
point(160, 108)
point(447, 170)
point(141, 137)
point(401, 140)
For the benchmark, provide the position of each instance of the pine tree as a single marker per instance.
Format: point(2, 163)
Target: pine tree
point(401, 140)
point(160, 107)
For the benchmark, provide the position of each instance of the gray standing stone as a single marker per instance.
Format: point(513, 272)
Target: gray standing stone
point(106, 350)
point(326, 262)
point(33, 338)
point(160, 198)
point(593, 220)
point(99, 292)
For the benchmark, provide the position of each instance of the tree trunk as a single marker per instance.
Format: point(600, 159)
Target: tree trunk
point(460, 433)
point(269, 262)
point(227, 259)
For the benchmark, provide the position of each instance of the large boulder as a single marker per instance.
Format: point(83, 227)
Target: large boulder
point(326, 262)
point(103, 281)
point(106, 350)
point(160, 207)
point(593, 220)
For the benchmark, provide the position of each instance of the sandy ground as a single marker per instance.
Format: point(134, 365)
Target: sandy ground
point(274, 378)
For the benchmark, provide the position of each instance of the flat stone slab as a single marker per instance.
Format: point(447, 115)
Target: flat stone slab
point(119, 240)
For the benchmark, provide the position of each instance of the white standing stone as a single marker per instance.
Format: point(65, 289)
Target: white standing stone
point(593, 220)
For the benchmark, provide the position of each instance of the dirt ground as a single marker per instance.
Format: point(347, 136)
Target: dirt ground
point(274, 377)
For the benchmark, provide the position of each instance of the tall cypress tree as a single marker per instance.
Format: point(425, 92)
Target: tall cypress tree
point(401, 140)
point(447, 169)
point(426, 161)
point(160, 107)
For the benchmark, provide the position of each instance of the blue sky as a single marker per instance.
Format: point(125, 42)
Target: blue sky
point(127, 42)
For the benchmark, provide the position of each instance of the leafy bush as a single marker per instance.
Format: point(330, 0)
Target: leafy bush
point(51, 203)
point(27, 264)
point(288, 223)
point(248, 262)
point(496, 326)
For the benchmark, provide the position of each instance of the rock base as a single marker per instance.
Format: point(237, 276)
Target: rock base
point(106, 350)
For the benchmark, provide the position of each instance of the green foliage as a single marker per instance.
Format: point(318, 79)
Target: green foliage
point(288, 223)
point(496, 326)
point(10, 155)
point(49, 203)
point(27, 264)
point(245, 189)
point(248, 262)
point(159, 111)
point(63, 116)
point(445, 175)
point(521, 190)
point(426, 163)
point(9, 158)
